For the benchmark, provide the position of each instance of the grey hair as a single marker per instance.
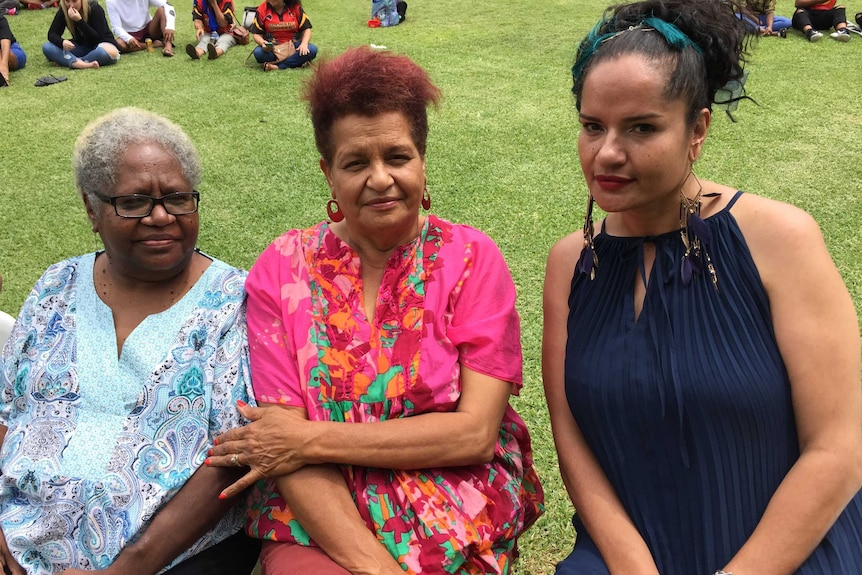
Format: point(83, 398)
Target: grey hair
point(104, 141)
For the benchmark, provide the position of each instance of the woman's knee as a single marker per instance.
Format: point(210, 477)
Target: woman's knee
point(110, 50)
point(294, 559)
point(261, 56)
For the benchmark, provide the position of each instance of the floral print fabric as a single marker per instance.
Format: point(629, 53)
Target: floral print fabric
point(446, 300)
point(97, 444)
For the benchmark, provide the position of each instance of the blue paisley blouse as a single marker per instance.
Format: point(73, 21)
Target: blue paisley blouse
point(97, 444)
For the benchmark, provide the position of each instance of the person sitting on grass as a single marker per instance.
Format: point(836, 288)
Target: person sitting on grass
point(92, 44)
point(215, 29)
point(9, 7)
point(760, 15)
point(811, 16)
point(12, 56)
point(282, 23)
point(133, 26)
point(122, 368)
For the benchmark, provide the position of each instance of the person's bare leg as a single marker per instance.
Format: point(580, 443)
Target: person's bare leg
point(156, 29)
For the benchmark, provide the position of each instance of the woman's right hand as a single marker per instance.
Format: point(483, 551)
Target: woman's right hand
point(68, 45)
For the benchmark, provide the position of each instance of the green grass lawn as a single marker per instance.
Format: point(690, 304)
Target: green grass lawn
point(501, 155)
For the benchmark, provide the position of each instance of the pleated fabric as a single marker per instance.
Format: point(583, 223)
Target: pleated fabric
point(687, 408)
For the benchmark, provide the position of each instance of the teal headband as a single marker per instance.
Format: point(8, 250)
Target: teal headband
point(675, 38)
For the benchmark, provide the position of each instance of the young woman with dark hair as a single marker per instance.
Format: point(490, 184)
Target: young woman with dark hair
point(701, 352)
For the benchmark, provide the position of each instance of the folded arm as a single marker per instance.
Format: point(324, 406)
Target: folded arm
point(316, 494)
point(193, 511)
point(278, 442)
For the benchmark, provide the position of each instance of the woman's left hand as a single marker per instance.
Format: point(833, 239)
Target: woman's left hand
point(271, 444)
point(68, 45)
point(74, 15)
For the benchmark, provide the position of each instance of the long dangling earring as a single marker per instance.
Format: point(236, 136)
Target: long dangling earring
point(695, 235)
point(333, 210)
point(589, 260)
point(426, 199)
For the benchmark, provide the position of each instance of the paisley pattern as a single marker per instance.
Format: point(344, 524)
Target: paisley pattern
point(446, 300)
point(96, 444)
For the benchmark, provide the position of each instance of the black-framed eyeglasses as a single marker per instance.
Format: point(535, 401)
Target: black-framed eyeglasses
point(141, 205)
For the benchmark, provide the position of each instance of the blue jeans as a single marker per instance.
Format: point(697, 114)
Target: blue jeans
point(67, 58)
point(778, 23)
point(294, 61)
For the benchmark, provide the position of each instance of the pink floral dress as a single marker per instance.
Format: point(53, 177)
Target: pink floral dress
point(446, 300)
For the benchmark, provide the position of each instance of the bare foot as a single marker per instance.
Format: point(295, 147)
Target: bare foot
point(81, 65)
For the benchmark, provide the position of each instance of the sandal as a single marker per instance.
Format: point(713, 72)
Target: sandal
point(50, 79)
point(192, 52)
point(168, 52)
point(3, 81)
point(270, 66)
point(211, 52)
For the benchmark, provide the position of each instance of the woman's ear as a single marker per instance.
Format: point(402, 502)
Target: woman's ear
point(91, 212)
point(698, 134)
point(324, 167)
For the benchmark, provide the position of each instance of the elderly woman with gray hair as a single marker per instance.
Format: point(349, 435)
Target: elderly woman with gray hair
point(123, 365)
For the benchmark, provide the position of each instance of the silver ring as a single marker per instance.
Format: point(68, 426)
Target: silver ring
point(234, 460)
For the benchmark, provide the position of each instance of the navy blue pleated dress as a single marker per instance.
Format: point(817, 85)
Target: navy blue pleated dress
point(687, 408)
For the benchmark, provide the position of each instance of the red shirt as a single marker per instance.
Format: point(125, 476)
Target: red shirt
point(283, 27)
point(199, 12)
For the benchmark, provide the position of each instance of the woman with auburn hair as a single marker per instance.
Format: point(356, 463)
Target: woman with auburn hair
point(92, 43)
point(384, 345)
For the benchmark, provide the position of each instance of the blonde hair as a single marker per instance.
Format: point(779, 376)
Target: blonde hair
point(85, 14)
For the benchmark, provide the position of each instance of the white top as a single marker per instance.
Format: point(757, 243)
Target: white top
point(6, 323)
point(132, 15)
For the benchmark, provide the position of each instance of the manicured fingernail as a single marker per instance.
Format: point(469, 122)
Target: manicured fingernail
point(207, 461)
point(241, 403)
point(215, 441)
point(222, 496)
point(209, 452)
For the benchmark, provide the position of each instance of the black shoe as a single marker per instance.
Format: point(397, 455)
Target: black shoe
point(813, 35)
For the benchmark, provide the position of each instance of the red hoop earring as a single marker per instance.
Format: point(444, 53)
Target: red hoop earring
point(426, 199)
point(334, 211)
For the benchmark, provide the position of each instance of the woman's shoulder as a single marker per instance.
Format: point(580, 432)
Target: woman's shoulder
point(66, 270)
point(223, 272)
point(294, 239)
point(564, 253)
point(781, 238)
point(462, 234)
point(288, 250)
point(772, 224)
